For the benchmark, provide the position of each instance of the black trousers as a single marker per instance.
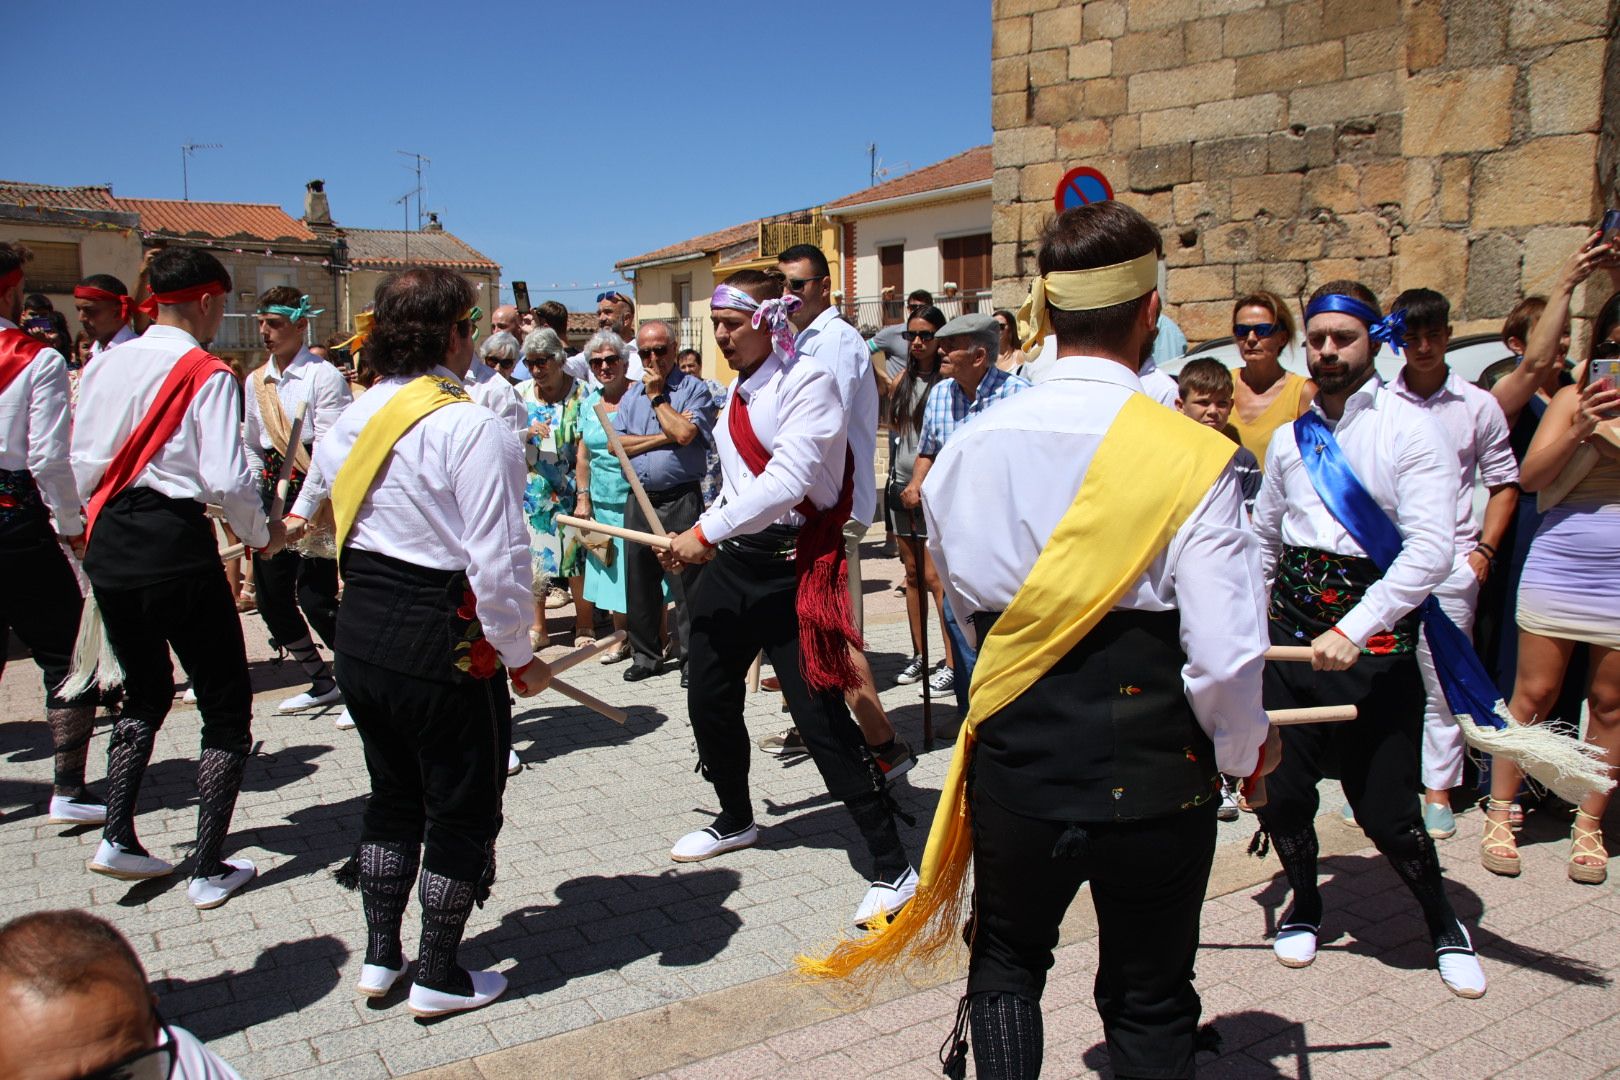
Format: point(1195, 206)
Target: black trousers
point(678, 509)
point(744, 603)
point(1147, 884)
point(436, 752)
point(40, 600)
point(287, 583)
point(197, 616)
point(1377, 757)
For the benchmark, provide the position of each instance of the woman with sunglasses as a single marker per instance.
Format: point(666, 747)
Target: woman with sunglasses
point(552, 400)
point(903, 412)
point(1265, 397)
point(603, 490)
point(1011, 358)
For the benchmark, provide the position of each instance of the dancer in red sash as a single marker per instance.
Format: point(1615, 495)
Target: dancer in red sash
point(774, 541)
point(38, 506)
point(155, 439)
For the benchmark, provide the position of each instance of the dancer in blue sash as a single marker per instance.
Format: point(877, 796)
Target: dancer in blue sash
point(1350, 588)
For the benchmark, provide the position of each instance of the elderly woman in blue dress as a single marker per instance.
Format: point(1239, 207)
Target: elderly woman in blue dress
point(602, 487)
point(552, 400)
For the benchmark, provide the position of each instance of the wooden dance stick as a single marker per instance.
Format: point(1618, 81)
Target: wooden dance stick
point(629, 470)
point(278, 505)
point(650, 539)
point(1289, 652)
point(595, 704)
point(579, 656)
point(1320, 714)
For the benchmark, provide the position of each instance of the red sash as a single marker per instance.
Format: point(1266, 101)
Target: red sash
point(826, 629)
point(160, 422)
point(17, 351)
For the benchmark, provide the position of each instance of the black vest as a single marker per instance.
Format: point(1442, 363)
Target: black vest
point(411, 619)
point(1106, 734)
point(25, 524)
point(143, 537)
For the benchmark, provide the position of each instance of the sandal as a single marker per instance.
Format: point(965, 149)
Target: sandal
point(1587, 844)
point(1498, 837)
point(1515, 817)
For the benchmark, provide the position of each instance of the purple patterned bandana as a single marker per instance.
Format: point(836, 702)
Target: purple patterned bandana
point(771, 313)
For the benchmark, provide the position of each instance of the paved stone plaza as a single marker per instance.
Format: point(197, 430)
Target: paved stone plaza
point(623, 964)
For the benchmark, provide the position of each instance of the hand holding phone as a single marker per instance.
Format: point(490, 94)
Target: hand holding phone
point(1610, 230)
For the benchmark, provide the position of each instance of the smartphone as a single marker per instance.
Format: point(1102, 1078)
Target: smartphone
point(520, 293)
point(1611, 228)
point(38, 324)
point(1605, 368)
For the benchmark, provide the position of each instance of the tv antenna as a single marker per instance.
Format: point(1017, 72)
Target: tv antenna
point(420, 191)
point(186, 150)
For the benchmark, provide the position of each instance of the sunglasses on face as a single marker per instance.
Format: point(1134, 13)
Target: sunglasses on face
point(1606, 350)
point(1259, 329)
point(918, 335)
point(615, 297)
point(655, 350)
point(798, 284)
point(604, 360)
point(156, 1063)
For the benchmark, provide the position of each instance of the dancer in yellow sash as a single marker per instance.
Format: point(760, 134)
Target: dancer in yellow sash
point(1117, 595)
point(427, 494)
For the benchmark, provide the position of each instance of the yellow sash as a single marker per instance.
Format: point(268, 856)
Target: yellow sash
point(386, 427)
point(1151, 471)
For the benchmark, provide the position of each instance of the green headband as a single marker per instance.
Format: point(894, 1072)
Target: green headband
point(292, 314)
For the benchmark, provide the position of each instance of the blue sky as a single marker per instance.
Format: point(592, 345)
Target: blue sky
point(563, 136)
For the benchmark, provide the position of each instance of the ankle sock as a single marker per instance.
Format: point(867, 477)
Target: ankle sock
point(446, 903)
point(219, 780)
point(1007, 1036)
point(387, 872)
point(70, 739)
point(128, 751)
point(1297, 852)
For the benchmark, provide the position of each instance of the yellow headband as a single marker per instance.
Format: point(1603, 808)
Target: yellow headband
point(362, 331)
point(1083, 290)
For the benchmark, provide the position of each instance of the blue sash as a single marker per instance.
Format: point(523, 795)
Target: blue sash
point(1468, 689)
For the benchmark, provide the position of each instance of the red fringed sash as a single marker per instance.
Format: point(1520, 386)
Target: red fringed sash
point(17, 351)
point(826, 630)
point(160, 422)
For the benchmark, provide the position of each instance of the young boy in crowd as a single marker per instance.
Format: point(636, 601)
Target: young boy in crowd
point(1204, 393)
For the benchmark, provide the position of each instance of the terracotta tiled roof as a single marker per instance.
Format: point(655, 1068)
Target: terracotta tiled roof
point(217, 220)
point(970, 166)
point(388, 248)
point(582, 322)
point(698, 245)
point(64, 198)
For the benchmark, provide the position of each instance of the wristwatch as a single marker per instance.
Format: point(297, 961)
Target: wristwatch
point(660, 399)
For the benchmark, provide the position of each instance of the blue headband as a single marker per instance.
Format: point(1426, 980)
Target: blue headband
point(1391, 328)
point(292, 314)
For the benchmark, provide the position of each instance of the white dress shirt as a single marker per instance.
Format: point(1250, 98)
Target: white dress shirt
point(1155, 383)
point(125, 333)
point(797, 415)
point(990, 516)
point(202, 460)
point(1478, 432)
point(34, 434)
point(578, 367)
point(1401, 457)
point(830, 340)
point(306, 378)
point(449, 497)
point(490, 389)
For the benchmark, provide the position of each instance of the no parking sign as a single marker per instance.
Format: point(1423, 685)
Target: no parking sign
point(1079, 186)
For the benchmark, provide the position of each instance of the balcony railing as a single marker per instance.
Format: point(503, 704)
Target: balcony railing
point(240, 333)
point(876, 311)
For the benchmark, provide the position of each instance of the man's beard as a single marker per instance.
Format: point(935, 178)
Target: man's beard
point(1147, 345)
point(1347, 378)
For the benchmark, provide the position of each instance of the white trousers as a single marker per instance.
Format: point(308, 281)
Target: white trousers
point(1442, 739)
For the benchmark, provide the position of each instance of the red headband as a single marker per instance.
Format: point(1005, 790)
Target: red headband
point(13, 277)
point(180, 296)
point(126, 304)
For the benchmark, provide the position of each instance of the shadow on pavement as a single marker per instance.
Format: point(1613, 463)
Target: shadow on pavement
point(542, 733)
point(314, 839)
point(1267, 1037)
point(284, 979)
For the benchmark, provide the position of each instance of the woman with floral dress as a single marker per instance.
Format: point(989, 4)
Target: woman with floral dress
point(552, 399)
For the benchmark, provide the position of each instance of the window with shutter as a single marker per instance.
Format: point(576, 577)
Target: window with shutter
point(54, 269)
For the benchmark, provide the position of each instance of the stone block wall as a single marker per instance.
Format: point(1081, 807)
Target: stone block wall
point(1458, 144)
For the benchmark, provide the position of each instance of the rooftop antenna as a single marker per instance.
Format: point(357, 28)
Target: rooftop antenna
point(420, 190)
point(405, 201)
point(186, 150)
point(871, 172)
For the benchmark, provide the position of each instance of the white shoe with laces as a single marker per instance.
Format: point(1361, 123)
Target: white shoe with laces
point(309, 699)
point(210, 892)
point(1460, 969)
point(487, 986)
point(1295, 944)
point(885, 898)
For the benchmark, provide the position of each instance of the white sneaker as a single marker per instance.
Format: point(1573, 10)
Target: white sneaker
point(210, 892)
point(1295, 944)
point(885, 899)
point(514, 764)
point(376, 980)
point(1459, 968)
point(66, 810)
point(310, 700)
point(1228, 810)
point(707, 843)
point(190, 696)
point(344, 721)
point(114, 861)
point(487, 986)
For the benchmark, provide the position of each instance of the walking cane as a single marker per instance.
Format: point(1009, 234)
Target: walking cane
point(629, 470)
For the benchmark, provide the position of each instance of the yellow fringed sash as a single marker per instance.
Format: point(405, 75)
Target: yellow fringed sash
point(411, 403)
point(1151, 471)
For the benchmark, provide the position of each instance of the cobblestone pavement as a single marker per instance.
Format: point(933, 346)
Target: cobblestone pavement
point(634, 965)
